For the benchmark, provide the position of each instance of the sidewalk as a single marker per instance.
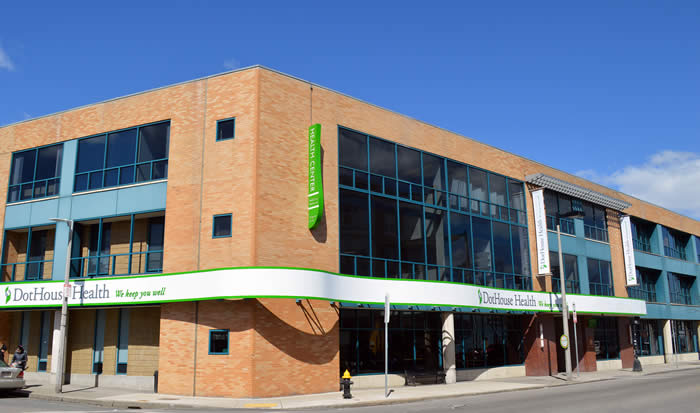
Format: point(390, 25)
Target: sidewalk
point(366, 397)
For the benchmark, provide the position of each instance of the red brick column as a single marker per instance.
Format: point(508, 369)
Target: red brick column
point(539, 360)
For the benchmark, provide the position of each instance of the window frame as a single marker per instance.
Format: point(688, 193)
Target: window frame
point(228, 342)
point(135, 165)
point(213, 225)
point(34, 181)
point(219, 122)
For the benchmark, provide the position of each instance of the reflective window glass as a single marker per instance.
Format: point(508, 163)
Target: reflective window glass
point(517, 196)
point(409, 164)
point(412, 247)
point(433, 171)
point(49, 162)
point(461, 240)
point(384, 242)
point(91, 154)
point(382, 157)
point(497, 187)
point(153, 142)
point(521, 253)
point(354, 223)
point(481, 229)
point(478, 184)
point(501, 246)
point(457, 178)
point(352, 148)
point(121, 148)
point(437, 237)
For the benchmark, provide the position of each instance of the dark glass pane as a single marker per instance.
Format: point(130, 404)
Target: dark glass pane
point(481, 229)
point(126, 175)
point(345, 177)
point(501, 248)
point(160, 170)
point(478, 184)
point(461, 240)
point(218, 341)
point(605, 273)
point(95, 180)
point(91, 154)
point(143, 172)
point(156, 231)
point(412, 247)
point(354, 223)
point(49, 162)
point(39, 189)
point(404, 190)
point(375, 183)
point(361, 180)
point(390, 186)
point(497, 187)
point(599, 217)
point(363, 266)
point(593, 271)
point(381, 157)
point(437, 237)
point(571, 272)
point(457, 178)
point(378, 268)
point(347, 265)
point(81, 183)
point(417, 193)
point(409, 164)
point(27, 191)
point(121, 368)
point(111, 177)
point(52, 187)
point(564, 204)
point(225, 129)
point(516, 194)
point(384, 234)
point(23, 167)
point(521, 253)
point(13, 194)
point(433, 171)
point(588, 217)
point(153, 142)
point(352, 149)
point(550, 203)
point(222, 226)
point(121, 148)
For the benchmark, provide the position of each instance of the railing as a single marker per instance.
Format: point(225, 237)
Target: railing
point(117, 264)
point(601, 289)
point(642, 294)
point(681, 298)
point(595, 233)
point(572, 286)
point(675, 253)
point(566, 225)
point(121, 175)
point(33, 190)
point(430, 196)
point(389, 268)
point(641, 245)
point(27, 270)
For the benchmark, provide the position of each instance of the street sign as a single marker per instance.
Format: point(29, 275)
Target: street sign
point(575, 320)
point(387, 309)
point(564, 341)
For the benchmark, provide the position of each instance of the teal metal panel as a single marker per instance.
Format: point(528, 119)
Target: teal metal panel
point(41, 211)
point(18, 216)
point(96, 204)
point(643, 259)
point(141, 198)
point(70, 151)
point(673, 312)
point(60, 251)
point(680, 267)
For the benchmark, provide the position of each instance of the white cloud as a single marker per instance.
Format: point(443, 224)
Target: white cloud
point(230, 64)
point(5, 61)
point(669, 178)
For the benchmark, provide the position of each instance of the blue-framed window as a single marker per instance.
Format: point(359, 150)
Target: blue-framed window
point(35, 173)
point(415, 338)
point(600, 277)
point(222, 226)
point(606, 339)
point(28, 254)
point(410, 214)
point(650, 338)
point(123, 157)
point(225, 129)
point(680, 287)
point(642, 232)
point(594, 222)
point(118, 245)
point(557, 204)
point(123, 341)
point(646, 288)
point(675, 243)
point(684, 336)
point(98, 350)
point(44, 337)
point(218, 341)
point(488, 340)
point(570, 276)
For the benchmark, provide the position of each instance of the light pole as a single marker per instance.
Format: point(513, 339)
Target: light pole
point(562, 283)
point(61, 365)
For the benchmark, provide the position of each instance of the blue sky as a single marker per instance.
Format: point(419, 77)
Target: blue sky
point(606, 90)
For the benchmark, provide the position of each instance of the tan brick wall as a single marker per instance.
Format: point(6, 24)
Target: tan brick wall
point(111, 337)
point(144, 339)
point(81, 340)
point(176, 361)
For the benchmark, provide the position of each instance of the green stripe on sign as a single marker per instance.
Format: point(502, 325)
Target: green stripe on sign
point(315, 205)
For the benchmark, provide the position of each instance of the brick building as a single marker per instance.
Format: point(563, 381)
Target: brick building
point(191, 253)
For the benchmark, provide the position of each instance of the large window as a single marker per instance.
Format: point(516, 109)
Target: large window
point(594, 222)
point(646, 288)
point(28, 254)
point(684, 336)
point(123, 157)
point(121, 245)
point(642, 234)
point(415, 338)
point(650, 338)
point(409, 214)
point(35, 173)
point(488, 340)
point(558, 204)
point(680, 287)
point(675, 243)
point(600, 277)
point(605, 338)
point(570, 273)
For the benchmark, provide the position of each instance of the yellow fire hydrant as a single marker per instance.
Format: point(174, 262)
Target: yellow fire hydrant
point(345, 382)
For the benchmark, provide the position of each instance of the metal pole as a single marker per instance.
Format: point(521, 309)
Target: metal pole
point(61, 365)
point(386, 359)
point(565, 309)
point(578, 372)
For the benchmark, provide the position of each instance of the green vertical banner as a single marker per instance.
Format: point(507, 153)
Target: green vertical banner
point(315, 176)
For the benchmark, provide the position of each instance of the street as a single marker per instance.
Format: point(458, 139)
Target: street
point(677, 392)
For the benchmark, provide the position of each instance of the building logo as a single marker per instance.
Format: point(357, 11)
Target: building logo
point(8, 295)
point(478, 292)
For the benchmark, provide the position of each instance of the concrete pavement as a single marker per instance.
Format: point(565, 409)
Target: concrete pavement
point(118, 398)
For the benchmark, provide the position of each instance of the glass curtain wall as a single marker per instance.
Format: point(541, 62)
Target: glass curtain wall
point(413, 215)
point(605, 338)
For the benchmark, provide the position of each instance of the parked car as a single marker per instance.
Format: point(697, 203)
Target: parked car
point(11, 378)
